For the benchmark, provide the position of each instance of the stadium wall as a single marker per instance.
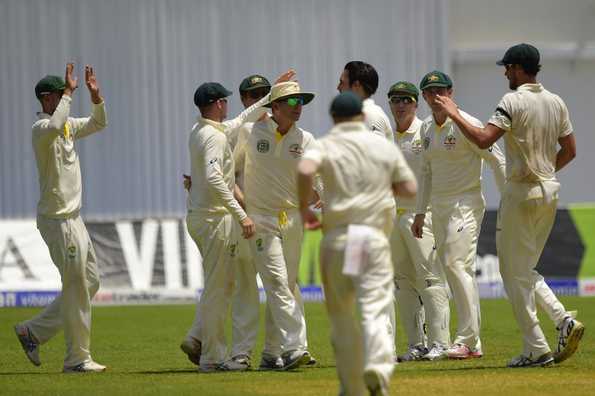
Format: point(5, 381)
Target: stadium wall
point(155, 261)
point(150, 55)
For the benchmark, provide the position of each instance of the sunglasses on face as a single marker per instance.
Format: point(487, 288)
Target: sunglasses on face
point(401, 99)
point(292, 102)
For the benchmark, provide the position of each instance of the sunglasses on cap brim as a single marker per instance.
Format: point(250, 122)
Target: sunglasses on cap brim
point(292, 102)
point(401, 99)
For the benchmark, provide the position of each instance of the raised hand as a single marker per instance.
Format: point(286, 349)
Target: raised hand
point(92, 85)
point(71, 82)
point(447, 105)
point(285, 77)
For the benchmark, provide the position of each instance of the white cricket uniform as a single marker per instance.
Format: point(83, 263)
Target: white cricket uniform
point(271, 199)
point(245, 305)
point(533, 120)
point(377, 121)
point(358, 169)
point(63, 230)
point(417, 270)
point(212, 222)
point(451, 181)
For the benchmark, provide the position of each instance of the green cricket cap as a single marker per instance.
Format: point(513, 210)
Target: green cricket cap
point(403, 89)
point(254, 81)
point(209, 92)
point(520, 54)
point(346, 104)
point(435, 79)
point(49, 84)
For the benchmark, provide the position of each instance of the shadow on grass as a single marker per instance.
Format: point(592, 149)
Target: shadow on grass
point(246, 372)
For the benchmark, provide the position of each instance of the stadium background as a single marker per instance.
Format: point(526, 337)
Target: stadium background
point(150, 55)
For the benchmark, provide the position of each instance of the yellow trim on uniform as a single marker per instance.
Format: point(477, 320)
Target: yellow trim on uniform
point(278, 136)
point(283, 219)
point(401, 211)
point(66, 130)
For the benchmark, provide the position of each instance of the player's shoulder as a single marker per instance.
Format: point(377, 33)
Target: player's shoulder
point(471, 119)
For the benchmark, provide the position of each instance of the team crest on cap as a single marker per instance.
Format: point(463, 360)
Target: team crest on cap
point(256, 80)
point(263, 146)
point(433, 77)
point(401, 86)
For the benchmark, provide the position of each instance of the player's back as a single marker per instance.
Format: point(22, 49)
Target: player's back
point(538, 118)
point(357, 175)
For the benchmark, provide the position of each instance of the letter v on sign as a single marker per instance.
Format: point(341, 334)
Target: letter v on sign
point(583, 217)
point(139, 259)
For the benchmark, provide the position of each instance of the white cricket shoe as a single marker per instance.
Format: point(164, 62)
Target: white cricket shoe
point(85, 367)
point(375, 383)
point(415, 352)
point(236, 363)
point(436, 352)
point(545, 360)
point(459, 351)
point(29, 343)
point(571, 332)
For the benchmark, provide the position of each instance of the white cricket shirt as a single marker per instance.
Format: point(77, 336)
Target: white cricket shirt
point(411, 145)
point(58, 166)
point(534, 119)
point(270, 171)
point(358, 170)
point(451, 165)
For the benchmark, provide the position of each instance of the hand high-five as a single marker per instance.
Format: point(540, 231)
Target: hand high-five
point(289, 75)
point(92, 85)
point(70, 81)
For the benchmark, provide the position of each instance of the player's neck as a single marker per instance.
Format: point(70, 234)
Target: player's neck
point(440, 117)
point(405, 123)
point(283, 126)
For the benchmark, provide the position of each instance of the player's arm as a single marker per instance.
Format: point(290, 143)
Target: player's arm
point(496, 160)
point(83, 127)
point(307, 168)
point(567, 151)
point(254, 112)
point(402, 177)
point(214, 148)
point(55, 124)
point(481, 137)
point(423, 198)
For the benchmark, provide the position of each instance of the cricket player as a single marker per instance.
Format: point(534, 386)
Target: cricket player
point(451, 181)
point(358, 170)
point(245, 302)
point(271, 153)
point(59, 221)
point(213, 215)
point(362, 79)
point(418, 277)
point(533, 122)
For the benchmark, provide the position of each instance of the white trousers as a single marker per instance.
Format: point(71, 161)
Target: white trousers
point(522, 231)
point(418, 277)
point(73, 254)
point(360, 342)
point(456, 224)
point(276, 249)
point(245, 304)
point(214, 236)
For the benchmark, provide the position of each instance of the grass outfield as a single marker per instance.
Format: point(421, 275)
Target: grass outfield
point(140, 346)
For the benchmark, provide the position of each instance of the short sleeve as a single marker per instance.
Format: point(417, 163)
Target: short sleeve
point(502, 116)
point(565, 124)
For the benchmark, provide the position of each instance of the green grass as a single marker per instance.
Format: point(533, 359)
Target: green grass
point(140, 346)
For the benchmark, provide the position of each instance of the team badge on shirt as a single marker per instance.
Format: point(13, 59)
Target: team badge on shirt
point(426, 143)
point(263, 146)
point(296, 150)
point(71, 251)
point(450, 141)
point(416, 146)
point(259, 246)
point(232, 249)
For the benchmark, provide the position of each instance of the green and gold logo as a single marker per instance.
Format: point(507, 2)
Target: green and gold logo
point(259, 245)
